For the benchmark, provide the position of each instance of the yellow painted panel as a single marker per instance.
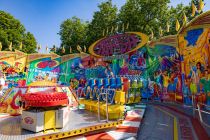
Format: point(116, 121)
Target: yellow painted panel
point(49, 120)
point(120, 97)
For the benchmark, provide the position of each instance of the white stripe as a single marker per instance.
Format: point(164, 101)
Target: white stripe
point(120, 135)
point(2, 116)
point(132, 138)
point(79, 138)
point(131, 123)
point(134, 113)
point(140, 106)
point(136, 116)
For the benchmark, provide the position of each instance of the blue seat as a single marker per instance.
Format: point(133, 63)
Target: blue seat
point(91, 83)
point(113, 83)
point(118, 82)
point(99, 83)
point(106, 83)
point(10, 85)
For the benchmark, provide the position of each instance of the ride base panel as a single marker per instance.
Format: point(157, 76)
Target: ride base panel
point(77, 119)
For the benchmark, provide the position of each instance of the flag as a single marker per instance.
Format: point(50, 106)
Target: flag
point(127, 26)
point(10, 46)
point(84, 48)
point(46, 48)
point(38, 47)
point(123, 27)
point(177, 25)
point(0, 46)
point(70, 50)
point(152, 34)
point(21, 46)
point(63, 49)
point(160, 31)
point(194, 9)
point(112, 29)
point(167, 27)
point(53, 49)
point(116, 29)
point(200, 6)
point(184, 18)
point(79, 48)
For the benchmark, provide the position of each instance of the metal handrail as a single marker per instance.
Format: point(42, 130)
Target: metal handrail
point(200, 114)
point(191, 106)
point(107, 114)
point(106, 92)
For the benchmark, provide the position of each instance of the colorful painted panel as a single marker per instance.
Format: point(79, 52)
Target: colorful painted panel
point(43, 70)
point(118, 44)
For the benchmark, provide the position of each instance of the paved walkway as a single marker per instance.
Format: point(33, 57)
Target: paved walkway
point(171, 122)
point(156, 125)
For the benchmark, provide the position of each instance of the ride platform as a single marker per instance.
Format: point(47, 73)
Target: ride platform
point(77, 119)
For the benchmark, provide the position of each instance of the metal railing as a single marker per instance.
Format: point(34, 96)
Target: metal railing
point(99, 114)
point(105, 92)
point(196, 106)
point(131, 77)
point(202, 111)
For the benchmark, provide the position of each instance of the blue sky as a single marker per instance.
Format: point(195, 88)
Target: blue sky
point(43, 17)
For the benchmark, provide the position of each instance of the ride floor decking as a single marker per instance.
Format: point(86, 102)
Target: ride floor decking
point(10, 127)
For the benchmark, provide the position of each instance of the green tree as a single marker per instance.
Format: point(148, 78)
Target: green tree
point(30, 42)
point(149, 15)
point(72, 33)
point(177, 13)
point(145, 15)
point(105, 18)
point(11, 30)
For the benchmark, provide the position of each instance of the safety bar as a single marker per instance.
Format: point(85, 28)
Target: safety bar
point(109, 90)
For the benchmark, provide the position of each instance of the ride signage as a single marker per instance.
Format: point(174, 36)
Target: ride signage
point(118, 44)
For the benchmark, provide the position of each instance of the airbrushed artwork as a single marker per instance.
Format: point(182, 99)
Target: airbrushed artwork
point(107, 85)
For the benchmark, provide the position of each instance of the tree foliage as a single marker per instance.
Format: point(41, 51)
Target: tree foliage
point(11, 30)
point(105, 18)
point(72, 33)
point(146, 16)
point(177, 13)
